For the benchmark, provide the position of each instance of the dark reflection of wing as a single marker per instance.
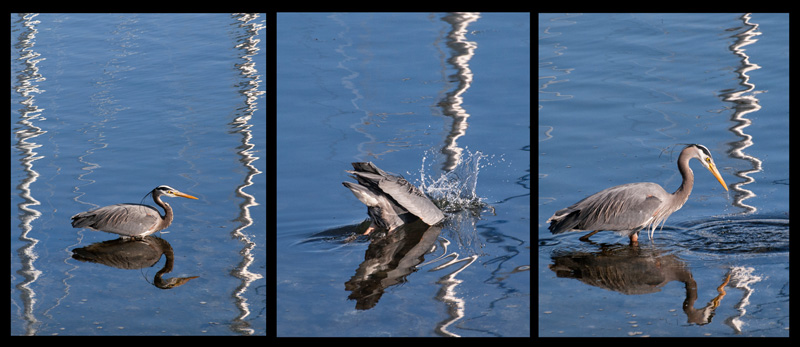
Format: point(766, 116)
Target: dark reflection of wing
point(388, 260)
point(621, 269)
point(134, 254)
point(634, 271)
point(124, 254)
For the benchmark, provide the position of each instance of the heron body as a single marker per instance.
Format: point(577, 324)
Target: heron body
point(131, 220)
point(391, 200)
point(628, 208)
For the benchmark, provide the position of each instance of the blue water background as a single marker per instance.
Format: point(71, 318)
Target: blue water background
point(618, 96)
point(104, 108)
point(402, 90)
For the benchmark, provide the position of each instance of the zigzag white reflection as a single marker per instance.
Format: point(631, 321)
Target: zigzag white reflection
point(252, 92)
point(27, 76)
point(448, 294)
point(742, 278)
point(745, 102)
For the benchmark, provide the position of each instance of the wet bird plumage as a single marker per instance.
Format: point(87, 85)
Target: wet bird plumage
point(391, 200)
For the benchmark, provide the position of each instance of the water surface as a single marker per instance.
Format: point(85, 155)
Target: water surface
point(618, 96)
point(419, 95)
point(106, 107)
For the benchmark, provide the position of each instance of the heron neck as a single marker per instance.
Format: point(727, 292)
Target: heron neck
point(167, 219)
point(682, 194)
point(168, 213)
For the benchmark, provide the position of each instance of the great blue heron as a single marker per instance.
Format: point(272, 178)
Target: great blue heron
point(628, 208)
point(391, 201)
point(131, 220)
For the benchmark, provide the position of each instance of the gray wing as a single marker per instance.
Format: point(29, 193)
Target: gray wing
point(412, 199)
point(385, 213)
point(368, 167)
point(625, 207)
point(122, 219)
point(398, 189)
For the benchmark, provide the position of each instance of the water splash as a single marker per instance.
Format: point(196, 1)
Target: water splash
point(455, 192)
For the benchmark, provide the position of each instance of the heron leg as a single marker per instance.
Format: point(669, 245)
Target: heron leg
point(370, 229)
point(585, 238)
point(634, 238)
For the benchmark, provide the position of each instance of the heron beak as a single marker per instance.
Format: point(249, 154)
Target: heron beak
point(713, 169)
point(177, 193)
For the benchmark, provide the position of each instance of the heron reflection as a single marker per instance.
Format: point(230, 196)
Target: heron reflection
point(134, 254)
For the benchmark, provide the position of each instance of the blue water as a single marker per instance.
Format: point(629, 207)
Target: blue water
point(618, 95)
point(422, 95)
point(104, 108)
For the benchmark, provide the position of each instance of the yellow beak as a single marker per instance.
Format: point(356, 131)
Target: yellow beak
point(713, 169)
point(191, 197)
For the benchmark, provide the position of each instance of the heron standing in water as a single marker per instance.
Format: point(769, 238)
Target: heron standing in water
point(131, 220)
point(629, 208)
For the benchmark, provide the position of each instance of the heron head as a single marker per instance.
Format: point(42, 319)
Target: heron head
point(171, 192)
point(704, 155)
